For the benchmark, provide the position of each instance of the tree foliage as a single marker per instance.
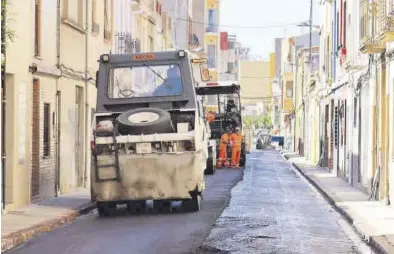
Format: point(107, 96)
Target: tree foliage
point(261, 121)
point(9, 35)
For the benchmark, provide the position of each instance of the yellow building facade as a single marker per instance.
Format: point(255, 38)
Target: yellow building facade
point(382, 41)
point(255, 81)
point(51, 95)
point(211, 38)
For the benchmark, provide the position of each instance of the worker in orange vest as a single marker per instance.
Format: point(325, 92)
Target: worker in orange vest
point(224, 142)
point(236, 140)
point(210, 116)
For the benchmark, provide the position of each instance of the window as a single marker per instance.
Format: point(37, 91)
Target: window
point(145, 81)
point(355, 113)
point(46, 134)
point(95, 25)
point(289, 89)
point(336, 126)
point(212, 99)
point(211, 56)
point(190, 31)
point(212, 21)
point(152, 4)
point(151, 44)
point(364, 19)
point(37, 26)
point(73, 12)
point(231, 67)
point(344, 25)
point(107, 25)
point(337, 31)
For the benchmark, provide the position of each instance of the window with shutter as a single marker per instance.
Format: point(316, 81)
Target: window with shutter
point(289, 89)
point(211, 56)
point(355, 107)
point(73, 11)
point(95, 25)
point(336, 125)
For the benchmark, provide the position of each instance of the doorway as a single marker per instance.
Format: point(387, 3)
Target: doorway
point(35, 171)
point(78, 134)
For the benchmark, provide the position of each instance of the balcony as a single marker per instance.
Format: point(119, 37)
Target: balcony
point(124, 43)
point(369, 43)
point(385, 21)
point(135, 5)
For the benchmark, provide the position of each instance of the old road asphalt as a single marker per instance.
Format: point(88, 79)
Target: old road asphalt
point(272, 210)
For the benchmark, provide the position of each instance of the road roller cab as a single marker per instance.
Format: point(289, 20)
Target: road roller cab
point(149, 137)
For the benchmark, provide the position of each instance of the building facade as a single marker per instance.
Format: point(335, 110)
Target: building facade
point(211, 37)
point(51, 95)
point(341, 103)
point(181, 14)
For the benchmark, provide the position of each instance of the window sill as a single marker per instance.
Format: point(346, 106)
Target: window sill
point(38, 57)
point(95, 34)
point(46, 157)
point(74, 26)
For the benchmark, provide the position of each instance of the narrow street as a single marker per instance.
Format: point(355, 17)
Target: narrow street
point(272, 210)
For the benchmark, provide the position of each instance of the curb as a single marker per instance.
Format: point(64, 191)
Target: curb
point(19, 237)
point(380, 246)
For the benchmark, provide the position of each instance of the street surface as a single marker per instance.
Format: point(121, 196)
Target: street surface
point(274, 210)
point(147, 233)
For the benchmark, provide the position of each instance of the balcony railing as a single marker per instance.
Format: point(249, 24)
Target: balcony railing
point(385, 18)
point(124, 43)
point(371, 15)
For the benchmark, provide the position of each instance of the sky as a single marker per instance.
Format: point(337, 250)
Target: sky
point(259, 13)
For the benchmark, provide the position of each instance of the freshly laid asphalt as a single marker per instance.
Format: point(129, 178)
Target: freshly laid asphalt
point(272, 210)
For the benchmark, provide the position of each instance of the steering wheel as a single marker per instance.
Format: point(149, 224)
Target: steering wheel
point(125, 93)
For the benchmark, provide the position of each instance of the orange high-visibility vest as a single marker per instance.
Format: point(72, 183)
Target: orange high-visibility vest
point(224, 141)
point(236, 139)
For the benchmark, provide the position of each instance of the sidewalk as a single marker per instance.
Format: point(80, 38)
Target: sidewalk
point(28, 222)
point(373, 220)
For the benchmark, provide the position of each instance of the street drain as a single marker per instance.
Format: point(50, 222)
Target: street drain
point(263, 237)
point(204, 249)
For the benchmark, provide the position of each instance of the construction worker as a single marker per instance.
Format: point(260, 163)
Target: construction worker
point(224, 141)
point(236, 140)
point(210, 116)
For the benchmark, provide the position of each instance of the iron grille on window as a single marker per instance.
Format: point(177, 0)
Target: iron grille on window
point(193, 40)
point(46, 134)
point(336, 126)
point(124, 43)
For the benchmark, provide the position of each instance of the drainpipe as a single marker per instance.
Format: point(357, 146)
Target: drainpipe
point(3, 102)
point(57, 106)
point(86, 94)
point(295, 96)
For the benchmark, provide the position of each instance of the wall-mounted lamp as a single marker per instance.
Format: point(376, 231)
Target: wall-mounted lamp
point(33, 68)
